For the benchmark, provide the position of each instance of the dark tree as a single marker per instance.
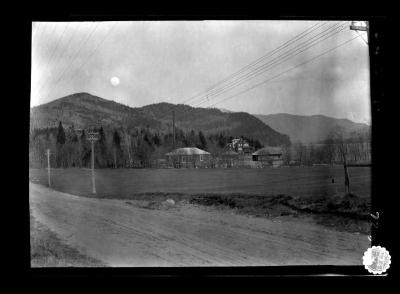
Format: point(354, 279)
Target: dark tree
point(147, 138)
point(143, 152)
point(102, 136)
point(203, 141)
point(156, 139)
point(116, 145)
point(192, 138)
point(221, 141)
point(60, 134)
point(116, 139)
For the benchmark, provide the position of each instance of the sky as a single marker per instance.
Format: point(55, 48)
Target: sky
point(144, 62)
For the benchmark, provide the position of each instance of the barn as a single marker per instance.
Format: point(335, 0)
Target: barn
point(188, 157)
point(269, 156)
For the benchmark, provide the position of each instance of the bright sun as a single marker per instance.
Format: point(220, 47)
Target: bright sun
point(114, 81)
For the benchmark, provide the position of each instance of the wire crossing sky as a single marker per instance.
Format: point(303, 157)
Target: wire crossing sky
point(144, 62)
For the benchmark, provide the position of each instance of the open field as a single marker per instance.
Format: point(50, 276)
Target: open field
point(293, 181)
point(268, 193)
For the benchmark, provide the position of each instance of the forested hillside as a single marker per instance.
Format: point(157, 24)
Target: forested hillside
point(82, 110)
point(134, 137)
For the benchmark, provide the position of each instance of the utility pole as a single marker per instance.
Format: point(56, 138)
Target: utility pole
point(173, 126)
point(48, 165)
point(357, 28)
point(93, 137)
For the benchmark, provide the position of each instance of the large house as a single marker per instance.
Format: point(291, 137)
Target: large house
point(269, 156)
point(240, 146)
point(188, 157)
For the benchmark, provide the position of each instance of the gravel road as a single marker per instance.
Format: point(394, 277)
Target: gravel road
point(120, 234)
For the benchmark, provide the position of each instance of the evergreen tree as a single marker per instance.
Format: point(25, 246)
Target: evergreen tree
point(143, 151)
point(192, 138)
point(61, 156)
point(60, 134)
point(116, 139)
point(102, 136)
point(203, 142)
point(101, 150)
point(222, 141)
point(116, 145)
point(156, 139)
point(147, 139)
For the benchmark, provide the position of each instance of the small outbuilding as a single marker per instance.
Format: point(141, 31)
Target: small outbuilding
point(269, 156)
point(188, 157)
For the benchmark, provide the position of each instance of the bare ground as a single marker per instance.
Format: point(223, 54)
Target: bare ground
point(151, 233)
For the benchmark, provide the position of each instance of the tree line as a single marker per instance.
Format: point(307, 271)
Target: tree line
point(334, 150)
point(140, 147)
point(117, 147)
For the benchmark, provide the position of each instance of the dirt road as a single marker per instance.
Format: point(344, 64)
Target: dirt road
point(126, 235)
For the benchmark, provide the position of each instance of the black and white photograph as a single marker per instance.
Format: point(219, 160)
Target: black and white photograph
point(200, 143)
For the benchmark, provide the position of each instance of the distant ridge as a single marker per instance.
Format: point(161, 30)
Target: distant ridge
point(313, 128)
point(83, 109)
point(226, 110)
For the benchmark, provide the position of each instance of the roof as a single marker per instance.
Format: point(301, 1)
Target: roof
point(268, 150)
point(187, 151)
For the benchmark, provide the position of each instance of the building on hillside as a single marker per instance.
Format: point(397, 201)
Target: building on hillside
point(188, 157)
point(240, 146)
point(269, 156)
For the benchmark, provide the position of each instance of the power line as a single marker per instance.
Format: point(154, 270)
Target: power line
point(284, 45)
point(62, 54)
point(50, 33)
point(58, 43)
point(53, 52)
point(271, 53)
point(69, 43)
point(274, 77)
point(358, 33)
point(47, 47)
point(37, 39)
point(275, 62)
point(77, 53)
point(285, 57)
point(74, 58)
point(99, 44)
point(92, 53)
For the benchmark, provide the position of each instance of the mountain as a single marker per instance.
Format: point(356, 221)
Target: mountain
point(225, 110)
point(82, 110)
point(312, 129)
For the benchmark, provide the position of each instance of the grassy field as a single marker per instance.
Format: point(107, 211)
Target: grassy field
point(293, 181)
point(270, 192)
